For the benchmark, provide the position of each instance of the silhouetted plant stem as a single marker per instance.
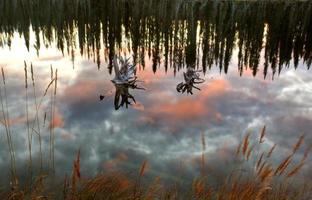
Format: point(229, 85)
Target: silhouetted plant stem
point(6, 118)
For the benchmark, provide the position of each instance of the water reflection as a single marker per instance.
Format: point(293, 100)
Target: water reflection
point(163, 125)
point(178, 32)
point(124, 71)
point(191, 77)
point(122, 96)
point(124, 80)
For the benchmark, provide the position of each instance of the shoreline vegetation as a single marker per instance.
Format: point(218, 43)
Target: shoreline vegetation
point(261, 180)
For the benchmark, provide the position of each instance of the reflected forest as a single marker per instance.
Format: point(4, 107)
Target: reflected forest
point(181, 33)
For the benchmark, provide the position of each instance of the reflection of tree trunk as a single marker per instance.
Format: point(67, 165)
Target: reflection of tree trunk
point(167, 30)
point(191, 34)
point(116, 66)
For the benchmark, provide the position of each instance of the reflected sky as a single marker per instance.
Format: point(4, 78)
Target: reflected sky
point(164, 127)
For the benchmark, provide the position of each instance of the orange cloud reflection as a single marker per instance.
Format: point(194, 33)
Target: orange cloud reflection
point(57, 120)
point(188, 107)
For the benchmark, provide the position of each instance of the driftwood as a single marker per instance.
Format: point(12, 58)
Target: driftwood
point(124, 80)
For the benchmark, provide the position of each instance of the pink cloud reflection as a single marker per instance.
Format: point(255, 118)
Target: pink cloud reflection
point(174, 109)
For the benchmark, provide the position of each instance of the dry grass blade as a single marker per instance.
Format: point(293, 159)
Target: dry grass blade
point(267, 172)
point(259, 161)
point(55, 87)
point(296, 169)
point(47, 88)
point(239, 148)
point(246, 143)
point(307, 151)
point(25, 70)
point(75, 175)
point(77, 165)
point(199, 188)
point(261, 168)
point(51, 128)
point(44, 119)
point(261, 140)
point(249, 152)
point(29, 136)
point(3, 76)
point(53, 102)
point(32, 73)
point(298, 144)
point(51, 68)
point(143, 168)
point(271, 151)
point(283, 165)
point(65, 187)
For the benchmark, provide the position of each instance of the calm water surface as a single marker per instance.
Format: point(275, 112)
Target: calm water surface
point(254, 58)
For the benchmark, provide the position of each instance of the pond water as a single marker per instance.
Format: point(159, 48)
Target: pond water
point(254, 58)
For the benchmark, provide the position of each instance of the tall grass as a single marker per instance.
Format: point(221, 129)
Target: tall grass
point(268, 180)
point(36, 124)
point(53, 114)
point(29, 136)
point(50, 128)
point(34, 187)
point(6, 122)
point(52, 118)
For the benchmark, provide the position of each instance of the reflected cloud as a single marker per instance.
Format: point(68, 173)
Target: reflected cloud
point(224, 109)
point(200, 110)
point(81, 92)
point(58, 121)
point(182, 109)
point(138, 106)
point(17, 121)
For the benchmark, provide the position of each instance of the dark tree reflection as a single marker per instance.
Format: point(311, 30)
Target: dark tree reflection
point(177, 33)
